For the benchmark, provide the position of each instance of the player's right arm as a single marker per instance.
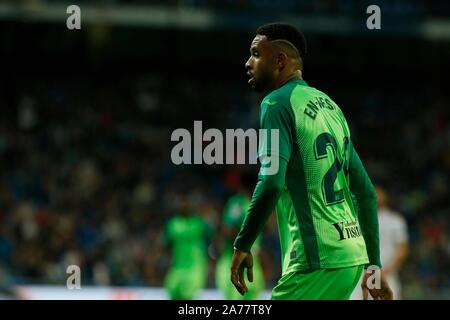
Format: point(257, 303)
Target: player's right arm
point(267, 191)
point(274, 116)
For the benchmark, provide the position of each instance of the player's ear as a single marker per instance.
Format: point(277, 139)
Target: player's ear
point(282, 59)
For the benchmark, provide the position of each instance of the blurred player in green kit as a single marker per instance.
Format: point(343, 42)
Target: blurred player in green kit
point(187, 236)
point(233, 215)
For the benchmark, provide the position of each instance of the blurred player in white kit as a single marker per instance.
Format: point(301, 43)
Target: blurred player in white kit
point(394, 245)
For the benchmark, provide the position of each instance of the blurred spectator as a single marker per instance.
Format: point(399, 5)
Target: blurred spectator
point(394, 244)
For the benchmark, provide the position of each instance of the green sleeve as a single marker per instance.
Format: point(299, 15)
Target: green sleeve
point(266, 194)
point(366, 198)
point(269, 186)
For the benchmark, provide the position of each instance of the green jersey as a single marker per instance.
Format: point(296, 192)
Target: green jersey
point(187, 238)
point(233, 216)
point(317, 221)
point(234, 211)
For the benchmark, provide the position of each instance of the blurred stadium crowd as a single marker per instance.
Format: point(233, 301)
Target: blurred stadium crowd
point(436, 8)
point(85, 169)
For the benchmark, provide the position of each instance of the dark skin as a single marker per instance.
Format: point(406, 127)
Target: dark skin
point(383, 293)
point(270, 66)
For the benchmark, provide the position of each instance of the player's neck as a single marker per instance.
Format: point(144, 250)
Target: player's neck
point(283, 79)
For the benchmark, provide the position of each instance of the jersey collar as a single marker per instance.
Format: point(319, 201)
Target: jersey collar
point(299, 81)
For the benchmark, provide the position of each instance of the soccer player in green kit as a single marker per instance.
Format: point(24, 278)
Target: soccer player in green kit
point(325, 241)
point(187, 236)
point(233, 215)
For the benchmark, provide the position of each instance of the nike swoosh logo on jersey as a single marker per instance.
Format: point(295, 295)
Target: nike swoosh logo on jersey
point(270, 102)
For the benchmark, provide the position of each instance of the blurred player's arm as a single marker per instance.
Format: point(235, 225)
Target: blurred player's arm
point(401, 247)
point(229, 232)
point(401, 253)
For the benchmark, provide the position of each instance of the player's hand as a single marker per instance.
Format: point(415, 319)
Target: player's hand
point(241, 261)
point(384, 292)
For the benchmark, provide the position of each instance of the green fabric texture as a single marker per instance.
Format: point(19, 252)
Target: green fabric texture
point(320, 284)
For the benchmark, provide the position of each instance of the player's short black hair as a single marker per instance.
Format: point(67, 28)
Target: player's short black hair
point(284, 31)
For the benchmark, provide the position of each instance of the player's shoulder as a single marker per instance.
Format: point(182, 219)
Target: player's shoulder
point(276, 98)
point(280, 97)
